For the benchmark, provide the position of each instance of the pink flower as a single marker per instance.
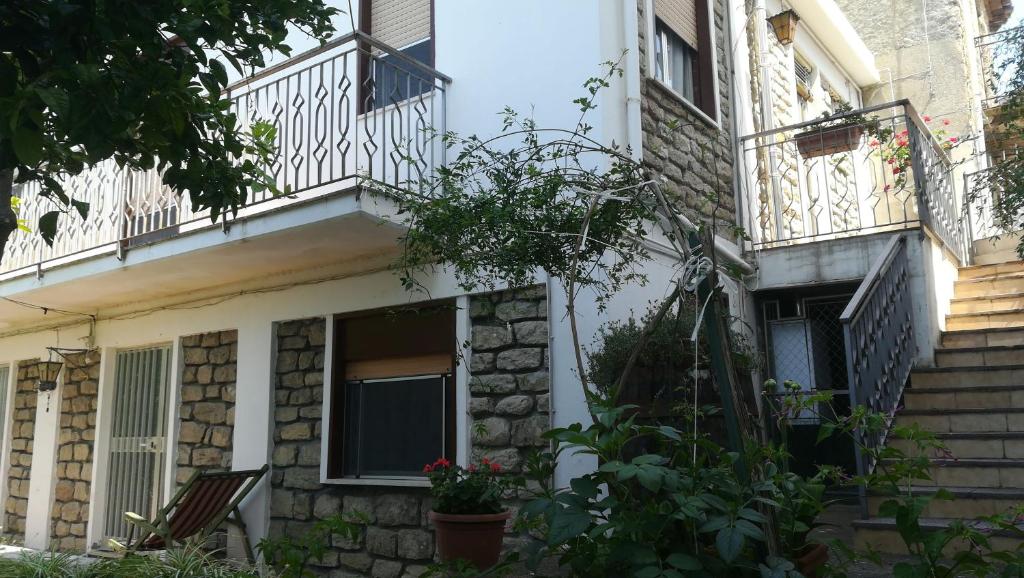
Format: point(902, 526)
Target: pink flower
point(954, 140)
point(874, 143)
point(887, 187)
point(495, 467)
point(905, 133)
point(428, 468)
point(891, 161)
point(927, 118)
point(896, 170)
point(946, 122)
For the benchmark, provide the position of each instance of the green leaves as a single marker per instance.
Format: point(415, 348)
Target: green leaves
point(48, 226)
point(28, 145)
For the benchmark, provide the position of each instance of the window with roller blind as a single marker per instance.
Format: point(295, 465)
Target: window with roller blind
point(392, 392)
point(407, 26)
point(683, 56)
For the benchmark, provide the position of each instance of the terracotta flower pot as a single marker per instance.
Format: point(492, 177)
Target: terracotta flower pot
point(828, 141)
point(472, 537)
point(813, 558)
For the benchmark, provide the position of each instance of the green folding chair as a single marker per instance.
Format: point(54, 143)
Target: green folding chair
point(198, 508)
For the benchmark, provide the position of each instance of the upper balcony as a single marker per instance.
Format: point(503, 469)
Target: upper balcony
point(873, 170)
point(351, 109)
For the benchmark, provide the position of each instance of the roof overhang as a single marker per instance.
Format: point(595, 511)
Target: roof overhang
point(999, 12)
point(828, 23)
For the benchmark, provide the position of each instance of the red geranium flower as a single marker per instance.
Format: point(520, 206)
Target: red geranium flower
point(428, 468)
point(896, 170)
point(953, 139)
point(927, 118)
point(495, 467)
point(945, 122)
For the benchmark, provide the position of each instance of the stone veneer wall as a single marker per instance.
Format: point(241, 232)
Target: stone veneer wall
point(79, 400)
point(509, 389)
point(695, 159)
point(22, 432)
point(207, 414)
point(510, 394)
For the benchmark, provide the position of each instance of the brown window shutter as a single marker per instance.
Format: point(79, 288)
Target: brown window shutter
point(400, 23)
point(681, 17)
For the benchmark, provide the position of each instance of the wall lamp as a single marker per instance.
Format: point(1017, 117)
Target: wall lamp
point(784, 24)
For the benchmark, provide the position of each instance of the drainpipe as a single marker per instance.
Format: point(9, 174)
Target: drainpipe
point(631, 30)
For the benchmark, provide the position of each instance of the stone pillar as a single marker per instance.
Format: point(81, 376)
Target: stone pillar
point(22, 434)
point(76, 444)
point(207, 414)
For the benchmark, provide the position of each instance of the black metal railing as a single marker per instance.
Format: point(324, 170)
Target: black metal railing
point(878, 328)
point(354, 108)
point(870, 170)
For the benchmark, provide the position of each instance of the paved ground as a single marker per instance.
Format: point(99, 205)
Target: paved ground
point(838, 523)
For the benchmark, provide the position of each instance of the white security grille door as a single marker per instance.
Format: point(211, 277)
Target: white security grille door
point(138, 436)
point(5, 376)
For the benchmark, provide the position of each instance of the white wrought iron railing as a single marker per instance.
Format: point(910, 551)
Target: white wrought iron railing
point(870, 170)
point(353, 108)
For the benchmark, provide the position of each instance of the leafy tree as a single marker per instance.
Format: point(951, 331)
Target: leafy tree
point(1000, 189)
point(139, 81)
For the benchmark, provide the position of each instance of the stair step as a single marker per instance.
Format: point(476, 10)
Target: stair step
point(987, 303)
point(968, 376)
point(990, 356)
point(972, 446)
point(976, 473)
point(925, 398)
point(1004, 283)
point(983, 337)
point(991, 270)
point(881, 535)
point(990, 320)
point(968, 503)
point(964, 420)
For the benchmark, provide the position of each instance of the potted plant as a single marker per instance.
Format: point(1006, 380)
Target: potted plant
point(468, 516)
point(832, 135)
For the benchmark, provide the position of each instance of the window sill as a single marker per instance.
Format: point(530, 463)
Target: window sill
point(689, 106)
point(393, 482)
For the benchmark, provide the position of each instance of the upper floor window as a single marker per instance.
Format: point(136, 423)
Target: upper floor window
point(684, 51)
point(407, 26)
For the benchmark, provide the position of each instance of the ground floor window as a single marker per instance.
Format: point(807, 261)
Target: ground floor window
point(392, 392)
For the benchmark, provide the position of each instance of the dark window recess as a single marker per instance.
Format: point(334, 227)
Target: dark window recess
point(393, 394)
point(394, 426)
point(395, 80)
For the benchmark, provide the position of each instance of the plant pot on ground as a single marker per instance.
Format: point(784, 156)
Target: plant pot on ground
point(468, 516)
point(813, 559)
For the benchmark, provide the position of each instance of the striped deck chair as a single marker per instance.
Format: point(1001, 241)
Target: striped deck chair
point(200, 506)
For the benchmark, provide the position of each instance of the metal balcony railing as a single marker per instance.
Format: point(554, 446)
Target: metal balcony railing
point(871, 170)
point(353, 108)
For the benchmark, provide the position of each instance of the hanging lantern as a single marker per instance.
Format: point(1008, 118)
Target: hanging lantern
point(48, 372)
point(784, 24)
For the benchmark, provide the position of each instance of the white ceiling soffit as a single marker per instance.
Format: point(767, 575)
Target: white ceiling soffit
point(829, 25)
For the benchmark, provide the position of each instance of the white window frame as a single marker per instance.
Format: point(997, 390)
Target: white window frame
point(460, 377)
point(651, 22)
point(5, 446)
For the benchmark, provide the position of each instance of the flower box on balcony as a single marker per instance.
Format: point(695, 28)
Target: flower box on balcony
point(819, 142)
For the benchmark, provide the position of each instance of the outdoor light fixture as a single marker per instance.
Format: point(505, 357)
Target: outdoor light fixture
point(784, 24)
point(48, 372)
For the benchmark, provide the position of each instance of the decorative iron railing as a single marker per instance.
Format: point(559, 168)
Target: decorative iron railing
point(353, 108)
point(878, 328)
point(870, 170)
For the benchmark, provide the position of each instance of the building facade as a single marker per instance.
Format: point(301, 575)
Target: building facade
point(282, 337)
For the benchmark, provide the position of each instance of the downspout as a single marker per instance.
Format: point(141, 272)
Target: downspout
point(631, 30)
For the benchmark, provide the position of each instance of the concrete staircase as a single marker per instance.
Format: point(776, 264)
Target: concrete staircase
point(974, 401)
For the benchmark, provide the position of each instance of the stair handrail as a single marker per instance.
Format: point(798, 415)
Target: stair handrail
point(878, 330)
